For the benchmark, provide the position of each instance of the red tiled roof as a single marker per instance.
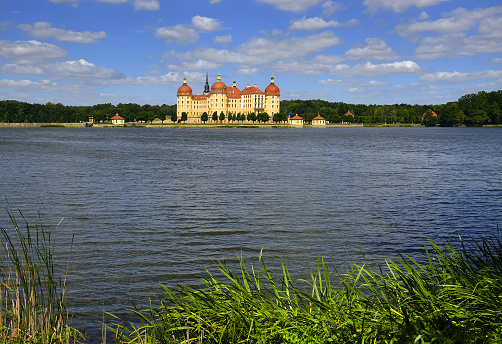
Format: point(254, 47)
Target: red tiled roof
point(349, 114)
point(233, 92)
point(296, 117)
point(433, 114)
point(252, 90)
point(199, 97)
point(116, 117)
point(184, 90)
point(319, 118)
point(272, 90)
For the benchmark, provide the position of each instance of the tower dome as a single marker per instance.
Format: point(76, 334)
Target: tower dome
point(184, 89)
point(219, 86)
point(272, 89)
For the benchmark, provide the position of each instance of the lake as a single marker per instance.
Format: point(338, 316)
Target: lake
point(151, 206)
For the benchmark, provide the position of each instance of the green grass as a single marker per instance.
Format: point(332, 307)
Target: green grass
point(51, 126)
point(454, 297)
point(32, 301)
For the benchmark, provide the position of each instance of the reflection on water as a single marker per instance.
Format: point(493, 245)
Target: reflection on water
point(150, 206)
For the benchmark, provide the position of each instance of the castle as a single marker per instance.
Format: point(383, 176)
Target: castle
point(229, 100)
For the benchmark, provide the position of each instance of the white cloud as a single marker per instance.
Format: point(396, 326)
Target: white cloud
point(45, 30)
point(370, 69)
point(376, 49)
point(214, 1)
point(423, 16)
point(291, 47)
point(461, 77)
point(225, 39)
point(21, 69)
point(205, 23)
point(178, 33)
point(330, 7)
point(452, 35)
point(457, 21)
point(196, 65)
point(84, 69)
point(399, 6)
point(297, 6)
point(317, 23)
point(71, 2)
point(166, 79)
point(112, 1)
point(28, 51)
point(24, 83)
point(249, 71)
point(146, 5)
point(371, 83)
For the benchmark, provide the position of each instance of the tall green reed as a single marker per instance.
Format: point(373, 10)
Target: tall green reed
point(454, 296)
point(32, 299)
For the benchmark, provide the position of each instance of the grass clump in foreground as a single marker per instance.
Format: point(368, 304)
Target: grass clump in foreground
point(454, 297)
point(32, 300)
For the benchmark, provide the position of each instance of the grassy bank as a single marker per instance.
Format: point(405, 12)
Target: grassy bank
point(455, 297)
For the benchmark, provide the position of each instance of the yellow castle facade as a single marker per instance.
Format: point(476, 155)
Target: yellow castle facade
point(227, 99)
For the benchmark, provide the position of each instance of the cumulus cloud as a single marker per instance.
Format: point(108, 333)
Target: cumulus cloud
point(71, 2)
point(178, 33)
point(291, 47)
point(200, 64)
point(399, 6)
point(297, 6)
point(205, 23)
point(339, 82)
point(146, 5)
point(330, 7)
point(369, 69)
point(166, 79)
point(25, 52)
point(317, 23)
point(264, 50)
point(461, 77)
point(21, 69)
point(249, 71)
point(82, 68)
point(24, 83)
point(456, 21)
point(376, 49)
point(225, 39)
point(45, 30)
point(454, 34)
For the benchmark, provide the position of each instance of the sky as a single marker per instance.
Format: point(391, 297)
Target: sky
point(87, 52)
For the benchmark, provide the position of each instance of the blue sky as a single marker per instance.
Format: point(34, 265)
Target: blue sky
point(85, 52)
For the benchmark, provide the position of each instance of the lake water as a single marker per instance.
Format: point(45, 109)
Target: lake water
point(151, 206)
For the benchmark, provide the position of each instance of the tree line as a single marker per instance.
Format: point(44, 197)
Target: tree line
point(12, 111)
point(471, 109)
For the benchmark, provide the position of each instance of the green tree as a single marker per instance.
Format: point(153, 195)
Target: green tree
point(495, 113)
point(215, 116)
point(204, 117)
point(251, 117)
point(174, 117)
point(222, 116)
point(277, 117)
point(162, 117)
point(184, 116)
point(477, 118)
point(263, 117)
point(230, 117)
